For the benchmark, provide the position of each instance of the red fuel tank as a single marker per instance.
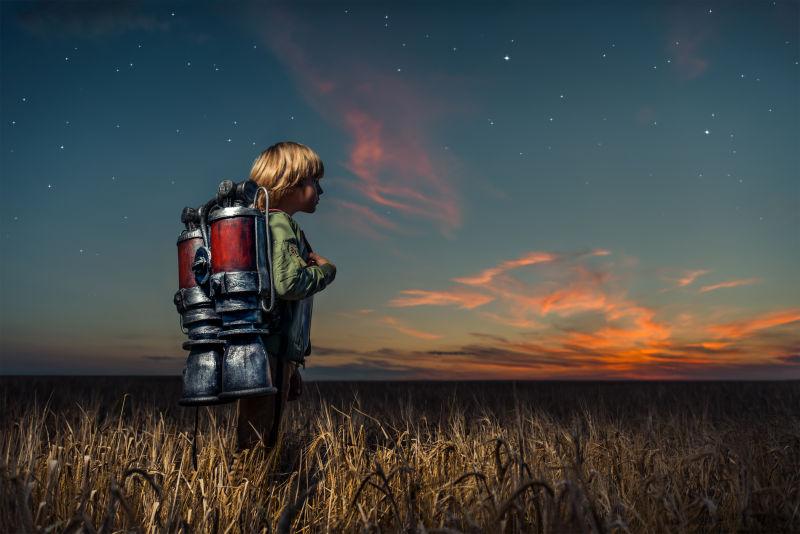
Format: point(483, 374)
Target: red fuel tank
point(188, 243)
point(233, 244)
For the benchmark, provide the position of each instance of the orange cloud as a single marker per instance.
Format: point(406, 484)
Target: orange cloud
point(462, 299)
point(687, 279)
point(740, 329)
point(730, 283)
point(397, 325)
point(691, 276)
point(486, 276)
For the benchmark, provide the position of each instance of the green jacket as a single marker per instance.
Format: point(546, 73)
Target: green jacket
point(295, 284)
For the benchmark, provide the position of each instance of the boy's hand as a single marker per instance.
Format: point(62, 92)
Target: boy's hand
point(316, 259)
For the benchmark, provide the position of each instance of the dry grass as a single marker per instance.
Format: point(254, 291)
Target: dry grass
point(110, 455)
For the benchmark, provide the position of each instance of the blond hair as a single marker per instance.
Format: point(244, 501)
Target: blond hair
point(282, 166)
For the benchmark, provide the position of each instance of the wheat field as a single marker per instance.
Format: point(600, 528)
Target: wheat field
point(100, 454)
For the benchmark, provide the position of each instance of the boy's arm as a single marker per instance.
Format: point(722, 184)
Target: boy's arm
point(294, 279)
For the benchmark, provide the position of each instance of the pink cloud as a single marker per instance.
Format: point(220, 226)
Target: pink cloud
point(730, 283)
point(386, 118)
point(690, 32)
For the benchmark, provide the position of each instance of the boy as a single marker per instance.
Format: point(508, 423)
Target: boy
point(291, 173)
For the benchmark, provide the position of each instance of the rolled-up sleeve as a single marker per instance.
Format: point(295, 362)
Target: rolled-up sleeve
point(294, 279)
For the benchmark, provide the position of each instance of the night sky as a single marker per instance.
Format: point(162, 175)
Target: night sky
point(589, 190)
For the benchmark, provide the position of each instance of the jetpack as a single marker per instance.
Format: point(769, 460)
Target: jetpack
point(226, 297)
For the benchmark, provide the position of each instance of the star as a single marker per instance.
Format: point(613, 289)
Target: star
point(49, 186)
point(560, 96)
point(62, 147)
point(188, 63)
point(229, 139)
point(66, 58)
point(399, 69)
point(24, 99)
point(506, 58)
point(707, 132)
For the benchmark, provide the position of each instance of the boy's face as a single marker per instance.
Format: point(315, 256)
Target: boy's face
point(307, 194)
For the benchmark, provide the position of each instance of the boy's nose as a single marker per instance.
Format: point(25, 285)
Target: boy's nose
point(319, 190)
